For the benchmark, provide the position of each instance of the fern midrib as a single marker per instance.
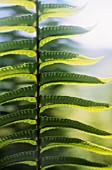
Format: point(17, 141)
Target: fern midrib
point(38, 117)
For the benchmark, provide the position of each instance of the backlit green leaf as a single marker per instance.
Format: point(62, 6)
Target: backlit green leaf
point(53, 57)
point(73, 102)
point(27, 4)
point(26, 115)
point(28, 29)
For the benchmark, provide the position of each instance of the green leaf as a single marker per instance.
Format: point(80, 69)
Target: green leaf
point(50, 142)
point(54, 78)
point(27, 136)
point(48, 8)
point(53, 122)
point(28, 19)
point(28, 29)
point(57, 10)
point(72, 102)
point(24, 70)
point(48, 34)
point(27, 157)
point(61, 31)
point(27, 116)
point(29, 43)
point(29, 76)
point(31, 163)
point(52, 57)
point(29, 53)
point(56, 161)
point(27, 4)
point(23, 93)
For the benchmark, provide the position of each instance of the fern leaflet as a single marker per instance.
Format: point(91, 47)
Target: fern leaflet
point(57, 10)
point(28, 29)
point(28, 19)
point(27, 157)
point(52, 57)
point(50, 142)
point(53, 122)
point(48, 34)
point(20, 94)
point(27, 136)
point(23, 70)
point(72, 102)
point(27, 4)
point(27, 116)
point(18, 44)
point(29, 53)
point(55, 161)
point(54, 78)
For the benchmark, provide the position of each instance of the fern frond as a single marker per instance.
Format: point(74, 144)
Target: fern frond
point(29, 43)
point(55, 161)
point(50, 122)
point(29, 53)
point(28, 29)
point(54, 78)
point(28, 19)
point(27, 136)
point(27, 116)
point(24, 70)
point(27, 4)
point(52, 57)
point(48, 34)
point(57, 10)
point(20, 94)
point(50, 142)
point(27, 157)
point(72, 102)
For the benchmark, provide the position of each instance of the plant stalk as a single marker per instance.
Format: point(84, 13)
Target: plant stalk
point(38, 137)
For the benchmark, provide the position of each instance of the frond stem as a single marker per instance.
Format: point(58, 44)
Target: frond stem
point(38, 148)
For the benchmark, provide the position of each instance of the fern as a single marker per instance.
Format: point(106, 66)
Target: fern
point(52, 57)
point(61, 31)
point(57, 10)
point(57, 141)
point(48, 34)
point(28, 29)
point(20, 158)
point(29, 53)
point(73, 102)
point(25, 70)
point(44, 131)
point(49, 162)
point(20, 94)
point(23, 136)
point(51, 122)
point(18, 44)
point(54, 78)
point(27, 4)
point(26, 116)
point(18, 20)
